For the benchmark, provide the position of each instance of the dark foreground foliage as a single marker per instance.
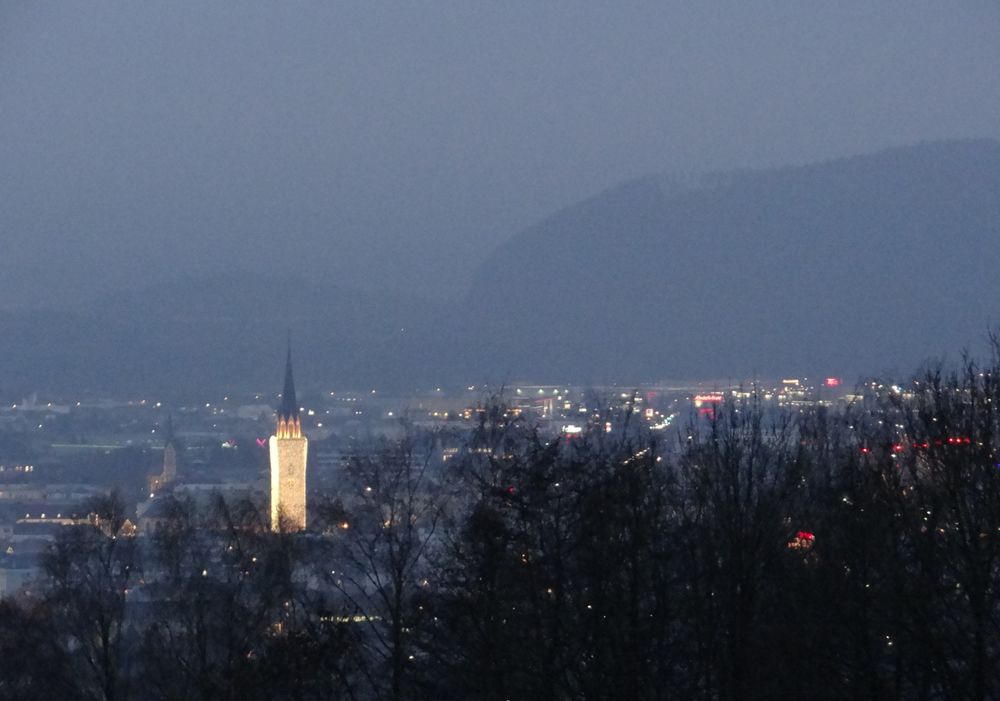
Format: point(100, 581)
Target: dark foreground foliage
point(849, 553)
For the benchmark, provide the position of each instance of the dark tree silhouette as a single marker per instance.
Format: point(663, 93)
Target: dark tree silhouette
point(91, 570)
point(378, 563)
point(757, 552)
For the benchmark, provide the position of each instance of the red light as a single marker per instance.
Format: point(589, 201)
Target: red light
point(833, 382)
point(805, 535)
point(897, 448)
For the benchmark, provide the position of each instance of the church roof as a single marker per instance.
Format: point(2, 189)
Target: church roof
point(289, 404)
point(168, 434)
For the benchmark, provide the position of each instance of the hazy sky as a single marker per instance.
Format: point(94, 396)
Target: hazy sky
point(394, 144)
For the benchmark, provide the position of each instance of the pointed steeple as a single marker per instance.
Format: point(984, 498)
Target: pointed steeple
point(169, 472)
point(289, 404)
point(289, 425)
point(168, 432)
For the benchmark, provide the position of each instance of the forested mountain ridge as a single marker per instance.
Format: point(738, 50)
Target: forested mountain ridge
point(850, 264)
point(866, 264)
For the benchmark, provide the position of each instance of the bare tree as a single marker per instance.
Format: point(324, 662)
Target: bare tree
point(379, 560)
point(91, 570)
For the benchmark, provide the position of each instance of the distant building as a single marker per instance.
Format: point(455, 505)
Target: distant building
point(288, 451)
point(169, 471)
point(253, 412)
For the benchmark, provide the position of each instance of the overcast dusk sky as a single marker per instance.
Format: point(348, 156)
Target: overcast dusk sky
point(393, 145)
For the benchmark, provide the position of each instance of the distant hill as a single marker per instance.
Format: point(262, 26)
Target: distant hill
point(853, 265)
point(856, 265)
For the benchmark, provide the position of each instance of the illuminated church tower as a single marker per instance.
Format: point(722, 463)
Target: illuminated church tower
point(288, 449)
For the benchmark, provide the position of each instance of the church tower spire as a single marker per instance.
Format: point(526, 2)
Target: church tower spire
point(169, 472)
point(288, 452)
point(289, 423)
point(169, 452)
point(289, 407)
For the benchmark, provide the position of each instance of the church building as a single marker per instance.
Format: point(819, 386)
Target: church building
point(169, 471)
point(288, 450)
